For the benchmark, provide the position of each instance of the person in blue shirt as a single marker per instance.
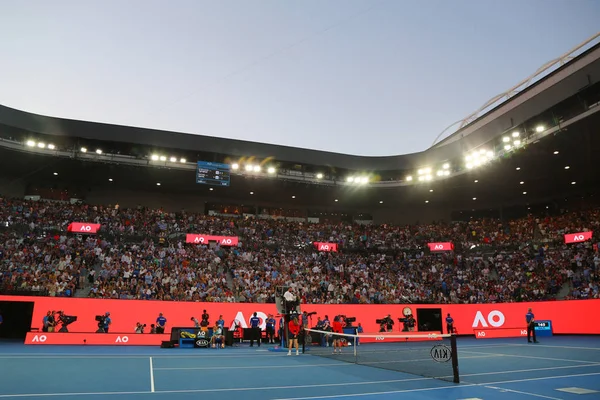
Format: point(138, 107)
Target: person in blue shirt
point(161, 322)
point(255, 326)
point(107, 322)
point(221, 322)
point(530, 319)
point(282, 331)
point(449, 324)
point(270, 322)
point(359, 330)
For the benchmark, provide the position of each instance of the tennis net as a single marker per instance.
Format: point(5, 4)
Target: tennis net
point(428, 355)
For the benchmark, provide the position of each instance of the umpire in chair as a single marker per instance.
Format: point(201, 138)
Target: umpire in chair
point(291, 301)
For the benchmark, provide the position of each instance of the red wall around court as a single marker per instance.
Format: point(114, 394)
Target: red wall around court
point(574, 316)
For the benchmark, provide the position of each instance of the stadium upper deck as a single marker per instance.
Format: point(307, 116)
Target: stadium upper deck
point(536, 149)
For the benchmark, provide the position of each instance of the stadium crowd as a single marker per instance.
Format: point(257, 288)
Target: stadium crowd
point(519, 260)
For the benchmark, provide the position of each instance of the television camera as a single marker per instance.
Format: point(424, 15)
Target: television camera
point(65, 321)
point(101, 323)
point(348, 320)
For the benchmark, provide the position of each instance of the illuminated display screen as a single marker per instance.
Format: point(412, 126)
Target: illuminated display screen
point(209, 173)
point(543, 325)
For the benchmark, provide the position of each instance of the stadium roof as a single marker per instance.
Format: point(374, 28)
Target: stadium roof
point(559, 85)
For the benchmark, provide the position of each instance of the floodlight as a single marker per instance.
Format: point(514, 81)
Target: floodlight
point(271, 170)
point(446, 166)
point(515, 134)
point(154, 157)
point(350, 179)
point(256, 168)
point(51, 146)
point(30, 143)
point(507, 147)
point(235, 166)
point(182, 160)
point(163, 158)
point(41, 145)
point(540, 129)
point(98, 151)
point(409, 178)
point(249, 168)
point(83, 150)
point(506, 139)
point(173, 159)
point(364, 179)
point(517, 142)
point(319, 176)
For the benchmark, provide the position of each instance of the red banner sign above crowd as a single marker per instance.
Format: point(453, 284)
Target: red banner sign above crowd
point(206, 239)
point(83, 227)
point(321, 246)
point(443, 246)
point(578, 237)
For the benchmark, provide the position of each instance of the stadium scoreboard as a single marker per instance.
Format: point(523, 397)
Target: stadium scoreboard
point(209, 173)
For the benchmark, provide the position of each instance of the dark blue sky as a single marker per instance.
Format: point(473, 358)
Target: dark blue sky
point(368, 77)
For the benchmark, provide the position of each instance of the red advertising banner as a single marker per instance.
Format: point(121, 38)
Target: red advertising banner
point(578, 237)
point(83, 227)
point(106, 339)
point(566, 315)
point(321, 246)
point(205, 239)
point(444, 246)
point(500, 333)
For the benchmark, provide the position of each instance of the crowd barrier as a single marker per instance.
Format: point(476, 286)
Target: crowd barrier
point(567, 317)
point(106, 339)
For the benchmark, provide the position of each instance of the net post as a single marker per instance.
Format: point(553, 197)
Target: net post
point(355, 339)
point(304, 333)
point(454, 349)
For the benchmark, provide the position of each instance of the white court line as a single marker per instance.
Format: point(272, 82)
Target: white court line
point(220, 390)
point(514, 371)
point(529, 357)
point(125, 356)
point(561, 347)
point(455, 386)
point(151, 376)
point(525, 393)
point(429, 389)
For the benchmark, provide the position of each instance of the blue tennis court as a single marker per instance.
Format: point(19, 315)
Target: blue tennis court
point(557, 368)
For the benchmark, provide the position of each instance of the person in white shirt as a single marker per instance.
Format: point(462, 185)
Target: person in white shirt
point(290, 300)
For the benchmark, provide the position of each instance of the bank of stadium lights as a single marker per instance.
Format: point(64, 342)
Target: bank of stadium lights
point(424, 174)
point(360, 180)
point(478, 158)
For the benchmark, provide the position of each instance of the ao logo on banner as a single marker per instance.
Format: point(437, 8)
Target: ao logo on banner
point(39, 338)
point(495, 319)
point(122, 339)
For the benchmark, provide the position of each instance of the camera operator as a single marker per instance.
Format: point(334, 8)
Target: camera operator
point(139, 328)
point(196, 322)
point(205, 317)
point(386, 324)
point(408, 323)
point(104, 322)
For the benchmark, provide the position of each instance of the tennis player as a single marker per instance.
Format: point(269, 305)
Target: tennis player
point(337, 328)
point(294, 331)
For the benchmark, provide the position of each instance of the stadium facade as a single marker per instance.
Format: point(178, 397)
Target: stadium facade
point(536, 150)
